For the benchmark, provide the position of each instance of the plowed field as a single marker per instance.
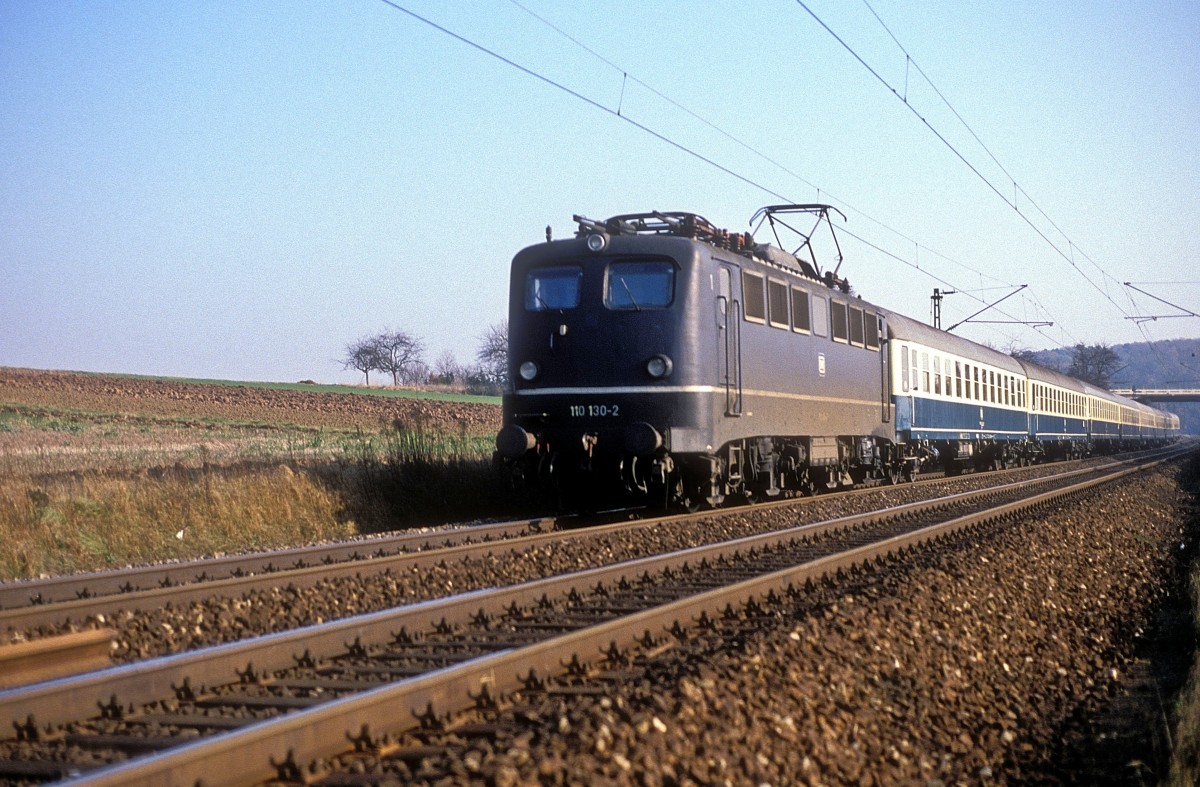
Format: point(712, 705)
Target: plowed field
point(179, 399)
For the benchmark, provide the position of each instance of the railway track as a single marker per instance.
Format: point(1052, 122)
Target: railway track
point(298, 696)
point(75, 587)
point(52, 604)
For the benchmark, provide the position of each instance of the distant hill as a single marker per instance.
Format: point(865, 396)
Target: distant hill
point(1170, 363)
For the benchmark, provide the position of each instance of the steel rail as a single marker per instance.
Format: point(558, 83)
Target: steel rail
point(249, 755)
point(69, 699)
point(53, 657)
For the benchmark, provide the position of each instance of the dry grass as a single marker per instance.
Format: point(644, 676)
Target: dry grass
point(86, 491)
point(1185, 750)
point(91, 521)
point(1185, 753)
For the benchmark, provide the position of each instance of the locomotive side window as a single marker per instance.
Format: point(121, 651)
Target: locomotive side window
point(641, 284)
point(777, 303)
point(840, 330)
point(871, 331)
point(820, 316)
point(856, 326)
point(548, 289)
point(752, 297)
point(800, 318)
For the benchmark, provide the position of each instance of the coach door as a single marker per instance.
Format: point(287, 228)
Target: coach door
point(729, 341)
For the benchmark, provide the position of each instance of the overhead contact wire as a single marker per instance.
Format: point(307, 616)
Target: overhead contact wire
point(1010, 202)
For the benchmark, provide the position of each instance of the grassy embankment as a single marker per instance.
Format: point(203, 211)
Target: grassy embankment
point(88, 490)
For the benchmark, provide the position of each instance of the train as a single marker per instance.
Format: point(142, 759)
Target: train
point(656, 359)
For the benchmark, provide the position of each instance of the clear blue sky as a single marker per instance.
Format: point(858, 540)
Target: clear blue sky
point(237, 190)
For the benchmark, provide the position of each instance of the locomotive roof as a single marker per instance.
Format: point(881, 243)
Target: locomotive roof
point(695, 227)
point(908, 329)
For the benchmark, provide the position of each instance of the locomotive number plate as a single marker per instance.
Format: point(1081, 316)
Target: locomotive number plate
point(595, 410)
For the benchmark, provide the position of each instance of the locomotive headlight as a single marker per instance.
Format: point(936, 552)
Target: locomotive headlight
point(659, 367)
point(597, 242)
point(528, 371)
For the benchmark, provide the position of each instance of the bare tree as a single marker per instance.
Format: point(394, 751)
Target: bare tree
point(447, 369)
point(493, 354)
point(1094, 363)
point(400, 354)
point(1020, 352)
point(362, 355)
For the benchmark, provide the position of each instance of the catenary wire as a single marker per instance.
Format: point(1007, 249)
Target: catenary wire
point(961, 157)
point(741, 143)
point(669, 141)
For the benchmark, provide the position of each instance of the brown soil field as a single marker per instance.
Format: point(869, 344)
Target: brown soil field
point(179, 399)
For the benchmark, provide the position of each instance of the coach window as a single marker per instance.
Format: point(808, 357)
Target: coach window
point(925, 372)
point(644, 284)
point(753, 298)
point(777, 303)
point(977, 396)
point(800, 318)
point(915, 372)
point(820, 315)
point(840, 330)
point(937, 374)
point(553, 288)
point(856, 327)
point(958, 379)
point(903, 368)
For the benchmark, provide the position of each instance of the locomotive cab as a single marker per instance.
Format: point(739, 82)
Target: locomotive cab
point(603, 361)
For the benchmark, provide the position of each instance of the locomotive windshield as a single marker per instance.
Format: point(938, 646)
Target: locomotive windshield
point(553, 288)
point(641, 284)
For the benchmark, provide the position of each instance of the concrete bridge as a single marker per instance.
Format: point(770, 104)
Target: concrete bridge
point(1160, 394)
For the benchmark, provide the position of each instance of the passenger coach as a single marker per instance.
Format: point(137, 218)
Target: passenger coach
point(963, 402)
